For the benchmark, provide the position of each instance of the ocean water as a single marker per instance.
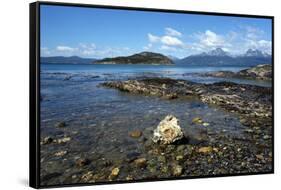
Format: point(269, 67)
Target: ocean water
point(122, 72)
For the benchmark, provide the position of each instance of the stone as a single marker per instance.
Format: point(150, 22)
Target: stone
point(140, 162)
point(61, 153)
point(82, 162)
point(61, 124)
point(197, 120)
point(63, 140)
point(114, 173)
point(87, 176)
point(168, 131)
point(205, 124)
point(170, 96)
point(177, 170)
point(135, 134)
point(47, 140)
point(206, 149)
point(260, 157)
point(129, 177)
point(265, 137)
point(179, 157)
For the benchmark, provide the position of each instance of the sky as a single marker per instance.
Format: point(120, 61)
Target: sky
point(100, 33)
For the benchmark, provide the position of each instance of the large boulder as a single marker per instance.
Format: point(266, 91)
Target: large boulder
point(168, 131)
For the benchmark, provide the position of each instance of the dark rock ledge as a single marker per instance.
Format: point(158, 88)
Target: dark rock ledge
point(250, 100)
point(259, 72)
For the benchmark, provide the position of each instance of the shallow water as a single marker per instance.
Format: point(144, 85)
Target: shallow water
point(99, 119)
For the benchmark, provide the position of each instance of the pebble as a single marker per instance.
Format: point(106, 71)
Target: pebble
point(265, 137)
point(63, 140)
point(82, 162)
point(179, 157)
point(206, 149)
point(61, 153)
point(177, 170)
point(135, 134)
point(114, 172)
point(140, 162)
point(47, 140)
point(87, 176)
point(61, 124)
point(197, 120)
point(205, 124)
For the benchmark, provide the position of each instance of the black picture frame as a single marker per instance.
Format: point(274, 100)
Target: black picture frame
point(34, 87)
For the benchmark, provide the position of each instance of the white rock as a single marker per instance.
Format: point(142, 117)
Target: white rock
point(168, 131)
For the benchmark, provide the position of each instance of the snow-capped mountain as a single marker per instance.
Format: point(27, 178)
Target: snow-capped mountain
point(255, 53)
point(219, 57)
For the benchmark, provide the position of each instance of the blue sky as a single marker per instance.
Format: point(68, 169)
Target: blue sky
point(99, 33)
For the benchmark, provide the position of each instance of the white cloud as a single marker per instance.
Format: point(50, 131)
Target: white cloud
point(263, 45)
point(45, 51)
point(253, 32)
point(172, 32)
point(149, 46)
point(167, 48)
point(211, 39)
point(171, 41)
point(87, 49)
point(152, 38)
point(65, 48)
point(168, 40)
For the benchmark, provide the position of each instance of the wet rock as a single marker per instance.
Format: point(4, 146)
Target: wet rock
point(114, 173)
point(260, 156)
point(249, 100)
point(265, 137)
point(206, 149)
point(87, 176)
point(135, 134)
point(82, 162)
point(164, 169)
point(179, 157)
point(47, 140)
point(197, 120)
point(260, 72)
point(170, 96)
point(177, 170)
point(168, 131)
point(61, 153)
point(129, 177)
point(140, 162)
point(63, 140)
point(61, 124)
point(132, 156)
point(67, 77)
point(205, 124)
point(162, 159)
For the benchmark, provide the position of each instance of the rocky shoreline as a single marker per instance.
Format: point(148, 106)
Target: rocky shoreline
point(259, 72)
point(244, 99)
point(252, 104)
point(165, 148)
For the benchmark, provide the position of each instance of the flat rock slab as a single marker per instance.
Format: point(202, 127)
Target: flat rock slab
point(254, 101)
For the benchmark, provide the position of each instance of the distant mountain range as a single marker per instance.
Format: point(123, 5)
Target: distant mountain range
point(219, 57)
point(216, 57)
point(67, 60)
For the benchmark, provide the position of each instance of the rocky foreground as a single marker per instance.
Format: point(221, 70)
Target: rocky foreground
point(166, 147)
point(221, 154)
point(260, 72)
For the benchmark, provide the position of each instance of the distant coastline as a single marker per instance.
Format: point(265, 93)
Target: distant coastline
point(216, 57)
